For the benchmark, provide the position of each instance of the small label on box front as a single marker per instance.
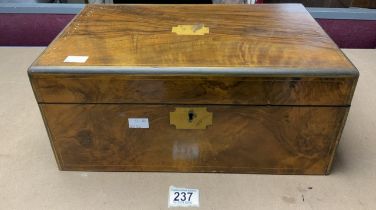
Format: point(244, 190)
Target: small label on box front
point(76, 59)
point(138, 122)
point(183, 197)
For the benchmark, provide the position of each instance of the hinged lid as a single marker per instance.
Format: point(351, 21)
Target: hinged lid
point(204, 39)
point(194, 54)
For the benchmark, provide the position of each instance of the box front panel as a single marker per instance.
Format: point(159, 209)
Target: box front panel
point(180, 89)
point(238, 139)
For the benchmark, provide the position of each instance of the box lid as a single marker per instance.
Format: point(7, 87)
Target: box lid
point(194, 39)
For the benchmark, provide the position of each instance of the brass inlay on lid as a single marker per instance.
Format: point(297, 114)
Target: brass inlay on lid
point(197, 29)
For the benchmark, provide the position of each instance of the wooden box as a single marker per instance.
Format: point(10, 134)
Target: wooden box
point(194, 88)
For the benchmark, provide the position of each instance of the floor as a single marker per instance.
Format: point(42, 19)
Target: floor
point(29, 178)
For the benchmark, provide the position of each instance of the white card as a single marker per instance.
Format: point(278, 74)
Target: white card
point(138, 122)
point(76, 59)
point(183, 197)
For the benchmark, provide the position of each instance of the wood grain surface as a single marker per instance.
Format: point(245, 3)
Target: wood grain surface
point(284, 115)
point(115, 88)
point(272, 36)
point(247, 139)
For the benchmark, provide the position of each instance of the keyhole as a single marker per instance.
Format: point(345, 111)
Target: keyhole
point(191, 115)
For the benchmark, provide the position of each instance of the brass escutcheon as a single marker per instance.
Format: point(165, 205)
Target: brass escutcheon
point(191, 118)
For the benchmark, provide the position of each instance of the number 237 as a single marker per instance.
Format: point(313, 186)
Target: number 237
point(182, 196)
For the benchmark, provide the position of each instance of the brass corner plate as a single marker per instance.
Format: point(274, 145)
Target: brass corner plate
point(191, 118)
point(197, 29)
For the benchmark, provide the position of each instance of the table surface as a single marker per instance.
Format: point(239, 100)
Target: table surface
point(30, 179)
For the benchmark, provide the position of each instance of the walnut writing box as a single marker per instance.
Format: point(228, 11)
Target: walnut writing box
point(194, 88)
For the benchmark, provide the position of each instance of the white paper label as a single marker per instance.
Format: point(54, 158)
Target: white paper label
point(138, 122)
point(183, 197)
point(76, 59)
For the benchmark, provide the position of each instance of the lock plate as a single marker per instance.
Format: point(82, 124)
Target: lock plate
point(191, 118)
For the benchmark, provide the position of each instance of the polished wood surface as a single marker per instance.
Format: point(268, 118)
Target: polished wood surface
point(276, 88)
point(272, 36)
point(364, 3)
point(245, 139)
point(99, 88)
